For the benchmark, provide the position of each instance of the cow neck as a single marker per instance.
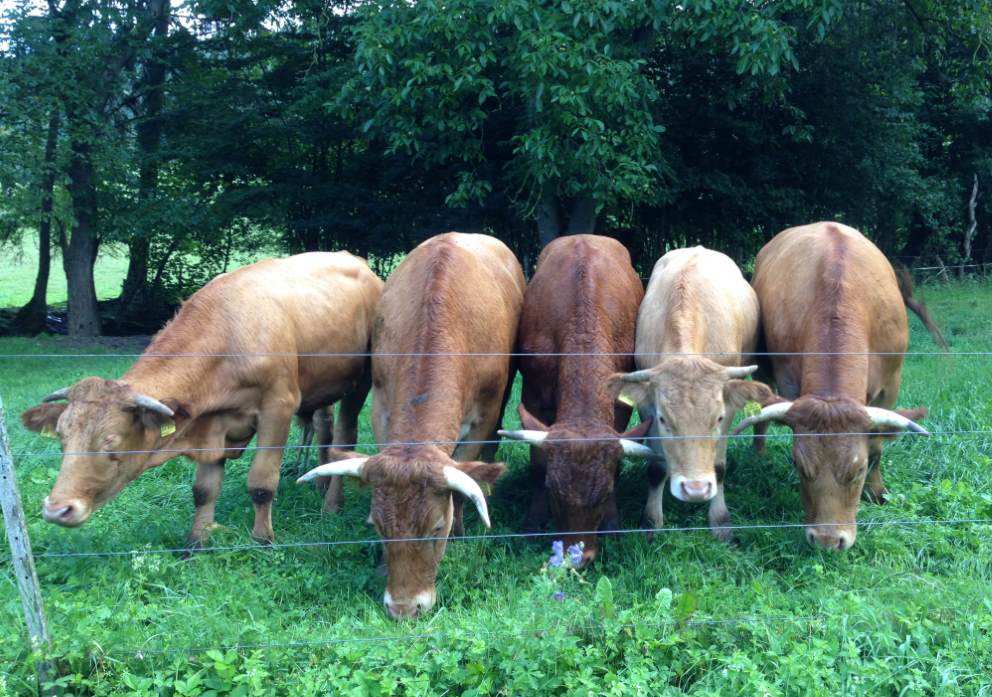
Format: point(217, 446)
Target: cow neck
point(685, 324)
point(836, 332)
point(186, 378)
point(583, 379)
point(428, 401)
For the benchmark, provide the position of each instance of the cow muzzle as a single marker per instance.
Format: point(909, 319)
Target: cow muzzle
point(833, 537)
point(693, 489)
point(409, 608)
point(69, 513)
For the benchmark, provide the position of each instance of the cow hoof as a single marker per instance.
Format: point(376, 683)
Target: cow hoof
point(192, 546)
point(724, 534)
point(264, 540)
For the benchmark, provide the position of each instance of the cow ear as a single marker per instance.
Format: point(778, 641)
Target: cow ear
point(43, 418)
point(737, 393)
point(638, 431)
point(529, 421)
point(630, 393)
point(482, 472)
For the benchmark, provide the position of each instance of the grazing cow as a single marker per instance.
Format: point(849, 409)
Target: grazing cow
point(578, 318)
point(441, 373)
point(243, 368)
point(834, 322)
point(698, 321)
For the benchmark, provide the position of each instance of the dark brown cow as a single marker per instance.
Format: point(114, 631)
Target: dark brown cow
point(441, 372)
point(831, 298)
point(579, 313)
point(242, 370)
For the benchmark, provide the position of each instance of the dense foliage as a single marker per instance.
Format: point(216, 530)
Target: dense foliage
point(190, 131)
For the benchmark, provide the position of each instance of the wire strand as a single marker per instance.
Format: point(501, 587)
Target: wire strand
point(865, 524)
point(510, 354)
point(505, 441)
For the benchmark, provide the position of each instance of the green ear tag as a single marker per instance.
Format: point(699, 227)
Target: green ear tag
point(168, 428)
point(625, 399)
point(49, 432)
point(751, 409)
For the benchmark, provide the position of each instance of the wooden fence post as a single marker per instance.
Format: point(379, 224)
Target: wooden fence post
point(22, 559)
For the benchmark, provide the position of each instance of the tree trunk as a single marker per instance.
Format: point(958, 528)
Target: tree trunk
point(149, 139)
point(548, 224)
point(31, 318)
point(582, 219)
point(969, 234)
point(79, 252)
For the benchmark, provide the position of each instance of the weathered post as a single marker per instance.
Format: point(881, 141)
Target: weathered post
point(21, 557)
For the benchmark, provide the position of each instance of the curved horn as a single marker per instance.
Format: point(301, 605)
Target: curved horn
point(151, 404)
point(635, 449)
point(773, 412)
point(533, 437)
point(884, 417)
point(464, 484)
point(351, 467)
point(57, 395)
point(738, 372)
point(637, 376)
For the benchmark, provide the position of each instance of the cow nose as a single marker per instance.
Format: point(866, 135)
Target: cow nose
point(834, 540)
point(401, 611)
point(68, 513)
point(696, 489)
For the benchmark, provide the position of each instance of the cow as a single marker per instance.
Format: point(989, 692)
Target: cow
point(441, 373)
point(577, 329)
point(240, 358)
point(696, 325)
point(835, 325)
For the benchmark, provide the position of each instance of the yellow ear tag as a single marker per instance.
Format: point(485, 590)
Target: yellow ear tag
point(624, 399)
point(168, 428)
point(49, 432)
point(751, 409)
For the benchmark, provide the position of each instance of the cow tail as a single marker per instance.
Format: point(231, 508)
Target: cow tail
point(905, 279)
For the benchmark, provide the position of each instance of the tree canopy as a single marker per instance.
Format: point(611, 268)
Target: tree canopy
point(192, 131)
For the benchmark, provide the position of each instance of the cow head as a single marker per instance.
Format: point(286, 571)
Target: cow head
point(830, 448)
point(692, 401)
point(582, 461)
point(99, 423)
point(412, 500)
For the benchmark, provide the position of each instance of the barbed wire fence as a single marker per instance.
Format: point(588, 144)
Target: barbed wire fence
point(23, 558)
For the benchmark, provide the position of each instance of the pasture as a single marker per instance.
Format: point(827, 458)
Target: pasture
point(907, 611)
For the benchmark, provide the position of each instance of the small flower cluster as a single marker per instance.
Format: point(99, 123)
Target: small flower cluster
point(564, 561)
point(558, 552)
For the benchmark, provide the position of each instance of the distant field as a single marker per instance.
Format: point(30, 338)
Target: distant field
point(19, 267)
point(906, 612)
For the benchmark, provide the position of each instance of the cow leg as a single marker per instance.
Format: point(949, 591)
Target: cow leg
point(331, 486)
point(457, 525)
point(306, 438)
point(206, 489)
point(874, 485)
point(759, 438)
point(263, 476)
point(349, 409)
point(654, 516)
point(719, 516)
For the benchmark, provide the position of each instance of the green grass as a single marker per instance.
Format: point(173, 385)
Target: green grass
point(20, 266)
point(907, 611)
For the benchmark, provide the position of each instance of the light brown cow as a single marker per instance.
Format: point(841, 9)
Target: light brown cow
point(578, 317)
point(829, 298)
point(698, 322)
point(441, 373)
point(242, 369)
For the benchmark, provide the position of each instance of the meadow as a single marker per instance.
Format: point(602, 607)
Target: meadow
point(907, 611)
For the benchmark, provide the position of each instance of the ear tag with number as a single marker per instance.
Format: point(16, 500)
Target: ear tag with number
point(168, 428)
point(49, 432)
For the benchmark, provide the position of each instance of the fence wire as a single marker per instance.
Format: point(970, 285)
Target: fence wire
point(493, 354)
point(865, 525)
point(574, 439)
